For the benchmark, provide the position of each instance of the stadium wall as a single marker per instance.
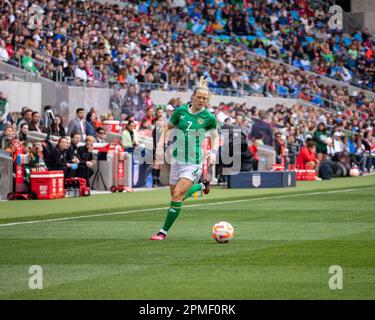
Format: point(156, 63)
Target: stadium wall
point(22, 94)
point(163, 97)
point(363, 11)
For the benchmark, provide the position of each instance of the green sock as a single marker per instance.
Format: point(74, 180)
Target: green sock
point(192, 190)
point(172, 215)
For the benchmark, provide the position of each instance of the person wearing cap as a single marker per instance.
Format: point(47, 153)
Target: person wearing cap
point(338, 145)
point(169, 111)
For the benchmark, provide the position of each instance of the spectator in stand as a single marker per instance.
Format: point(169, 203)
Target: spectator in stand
point(4, 110)
point(320, 136)
point(169, 111)
point(292, 149)
point(34, 124)
point(69, 73)
point(86, 163)
point(28, 62)
point(101, 135)
point(361, 156)
point(149, 117)
point(89, 72)
point(147, 99)
point(24, 131)
point(80, 73)
point(57, 159)
point(36, 161)
point(58, 129)
point(4, 56)
point(130, 136)
point(254, 150)
point(26, 117)
point(307, 156)
point(7, 135)
point(78, 124)
point(145, 125)
point(90, 124)
point(338, 145)
point(279, 147)
point(72, 155)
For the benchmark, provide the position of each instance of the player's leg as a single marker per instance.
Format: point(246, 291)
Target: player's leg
point(173, 180)
point(178, 191)
point(204, 185)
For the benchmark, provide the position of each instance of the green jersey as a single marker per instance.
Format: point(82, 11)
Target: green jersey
point(192, 128)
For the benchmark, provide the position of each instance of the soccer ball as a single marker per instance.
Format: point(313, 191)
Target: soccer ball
point(354, 172)
point(222, 232)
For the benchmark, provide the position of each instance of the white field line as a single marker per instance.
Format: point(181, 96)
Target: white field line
point(185, 207)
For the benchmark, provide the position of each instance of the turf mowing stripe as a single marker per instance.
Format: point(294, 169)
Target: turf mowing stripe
point(185, 207)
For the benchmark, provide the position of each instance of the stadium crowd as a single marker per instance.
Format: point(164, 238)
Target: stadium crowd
point(290, 130)
point(172, 43)
point(155, 44)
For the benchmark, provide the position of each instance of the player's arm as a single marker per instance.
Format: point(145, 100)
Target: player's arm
point(215, 143)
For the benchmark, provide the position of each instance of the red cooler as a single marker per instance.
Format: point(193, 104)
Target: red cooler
point(47, 184)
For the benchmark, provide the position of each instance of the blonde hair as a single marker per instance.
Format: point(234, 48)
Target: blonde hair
point(90, 139)
point(203, 86)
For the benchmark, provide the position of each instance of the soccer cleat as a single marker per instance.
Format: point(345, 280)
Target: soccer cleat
point(159, 236)
point(206, 186)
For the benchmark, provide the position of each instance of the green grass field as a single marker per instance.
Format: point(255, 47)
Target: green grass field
point(285, 241)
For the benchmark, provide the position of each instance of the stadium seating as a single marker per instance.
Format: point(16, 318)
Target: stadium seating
point(88, 43)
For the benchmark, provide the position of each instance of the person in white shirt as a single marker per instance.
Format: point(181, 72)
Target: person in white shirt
point(80, 71)
point(345, 75)
point(3, 52)
point(338, 145)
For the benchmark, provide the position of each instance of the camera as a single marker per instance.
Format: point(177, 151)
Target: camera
point(49, 118)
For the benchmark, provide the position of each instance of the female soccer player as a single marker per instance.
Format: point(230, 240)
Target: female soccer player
point(191, 123)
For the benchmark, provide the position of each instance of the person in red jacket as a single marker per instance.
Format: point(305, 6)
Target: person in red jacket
point(254, 150)
point(307, 156)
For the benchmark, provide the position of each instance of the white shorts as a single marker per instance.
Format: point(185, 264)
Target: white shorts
point(184, 170)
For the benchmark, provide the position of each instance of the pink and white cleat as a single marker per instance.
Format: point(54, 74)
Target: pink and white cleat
point(159, 236)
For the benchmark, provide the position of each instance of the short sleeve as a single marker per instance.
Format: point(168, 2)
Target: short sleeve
point(175, 117)
point(212, 124)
